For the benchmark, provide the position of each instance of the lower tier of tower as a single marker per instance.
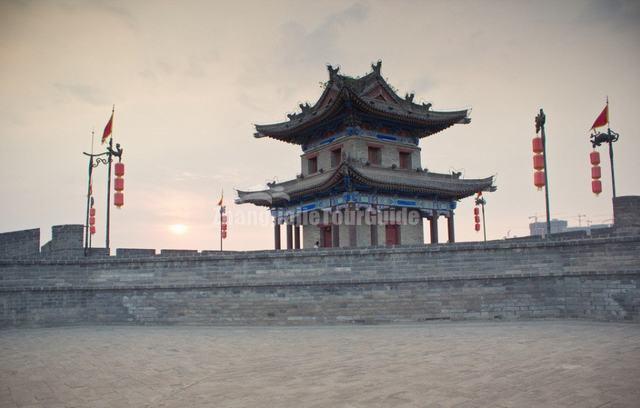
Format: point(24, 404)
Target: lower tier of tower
point(353, 227)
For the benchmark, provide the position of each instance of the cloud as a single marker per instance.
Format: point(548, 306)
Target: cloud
point(422, 86)
point(85, 93)
point(188, 176)
point(322, 43)
point(110, 8)
point(619, 12)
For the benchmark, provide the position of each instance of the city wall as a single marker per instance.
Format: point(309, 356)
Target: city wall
point(585, 277)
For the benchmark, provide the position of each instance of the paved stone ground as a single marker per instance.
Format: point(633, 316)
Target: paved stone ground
point(507, 364)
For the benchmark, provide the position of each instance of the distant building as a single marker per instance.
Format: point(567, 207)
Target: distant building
point(540, 228)
point(559, 226)
point(362, 182)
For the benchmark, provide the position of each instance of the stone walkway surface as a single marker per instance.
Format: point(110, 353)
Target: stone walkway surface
point(466, 364)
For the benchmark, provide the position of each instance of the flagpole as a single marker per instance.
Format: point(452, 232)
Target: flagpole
point(541, 118)
point(110, 150)
point(222, 210)
point(91, 201)
point(598, 138)
point(222, 215)
point(613, 175)
point(86, 225)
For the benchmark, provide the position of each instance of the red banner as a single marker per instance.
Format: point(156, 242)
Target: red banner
point(107, 129)
point(602, 119)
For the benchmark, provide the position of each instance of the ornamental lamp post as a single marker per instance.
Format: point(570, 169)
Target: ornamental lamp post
point(96, 159)
point(480, 201)
point(541, 174)
point(598, 138)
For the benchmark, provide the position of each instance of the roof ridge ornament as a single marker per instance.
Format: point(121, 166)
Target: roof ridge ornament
point(305, 107)
point(409, 97)
point(333, 72)
point(377, 67)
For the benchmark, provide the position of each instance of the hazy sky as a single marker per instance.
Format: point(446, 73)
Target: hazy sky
point(190, 78)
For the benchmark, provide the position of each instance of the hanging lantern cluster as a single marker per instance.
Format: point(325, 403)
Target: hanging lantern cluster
point(596, 173)
point(223, 222)
point(92, 220)
point(538, 162)
point(476, 217)
point(118, 185)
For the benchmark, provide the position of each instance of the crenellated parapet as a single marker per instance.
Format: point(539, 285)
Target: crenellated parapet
point(593, 278)
point(626, 214)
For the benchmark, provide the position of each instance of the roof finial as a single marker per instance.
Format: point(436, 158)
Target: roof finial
point(333, 72)
point(376, 68)
point(305, 107)
point(409, 96)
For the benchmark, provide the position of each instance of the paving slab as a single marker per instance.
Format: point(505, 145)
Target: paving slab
point(456, 364)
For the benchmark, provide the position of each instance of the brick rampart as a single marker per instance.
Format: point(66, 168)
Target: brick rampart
point(591, 278)
point(20, 244)
point(626, 212)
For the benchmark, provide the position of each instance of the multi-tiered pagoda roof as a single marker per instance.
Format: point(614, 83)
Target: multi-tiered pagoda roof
point(368, 101)
point(362, 107)
point(353, 175)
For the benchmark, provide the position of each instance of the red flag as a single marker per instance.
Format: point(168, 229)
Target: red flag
point(221, 199)
point(602, 119)
point(107, 129)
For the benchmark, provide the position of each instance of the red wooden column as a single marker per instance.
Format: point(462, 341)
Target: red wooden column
point(296, 235)
point(335, 236)
point(374, 234)
point(450, 228)
point(352, 214)
point(433, 223)
point(289, 235)
point(276, 233)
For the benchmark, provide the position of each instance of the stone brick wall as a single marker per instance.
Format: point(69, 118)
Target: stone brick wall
point(356, 147)
point(20, 244)
point(66, 241)
point(310, 235)
point(411, 234)
point(359, 149)
point(626, 213)
point(591, 278)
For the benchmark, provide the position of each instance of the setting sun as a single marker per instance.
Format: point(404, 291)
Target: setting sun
point(178, 229)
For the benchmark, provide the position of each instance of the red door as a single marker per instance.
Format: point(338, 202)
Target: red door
point(392, 234)
point(325, 234)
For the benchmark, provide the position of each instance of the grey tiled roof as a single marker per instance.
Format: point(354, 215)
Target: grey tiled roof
point(343, 90)
point(382, 179)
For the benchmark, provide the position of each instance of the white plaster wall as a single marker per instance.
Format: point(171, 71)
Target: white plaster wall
point(412, 234)
point(310, 234)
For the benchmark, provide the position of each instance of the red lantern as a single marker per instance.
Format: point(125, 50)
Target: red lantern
point(92, 220)
point(224, 234)
point(118, 199)
point(595, 157)
point(538, 162)
point(119, 169)
point(538, 179)
point(223, 219)
point(118, 184)
point(596, 187)
point(477, 227)
point(477, 218)
point(223, 227)
point(595, 172)
point(92, 229)
point(476, 211)
point(537, 144)
point(92, 212)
